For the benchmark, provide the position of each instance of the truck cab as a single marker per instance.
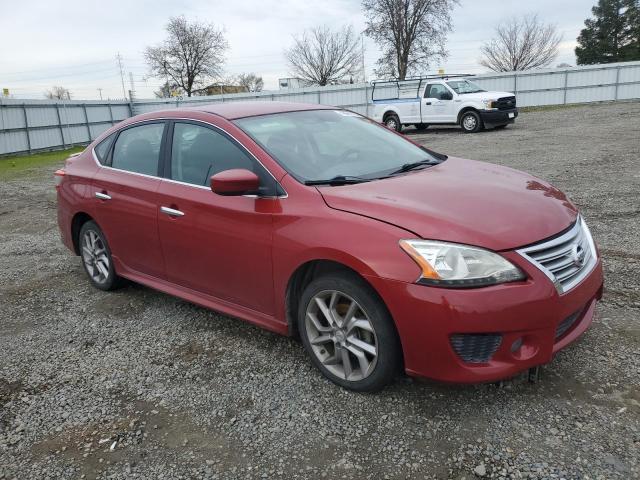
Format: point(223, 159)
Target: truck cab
point(443, 100)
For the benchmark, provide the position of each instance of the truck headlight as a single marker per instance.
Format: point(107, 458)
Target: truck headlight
point(446, 264)
point(489, 104)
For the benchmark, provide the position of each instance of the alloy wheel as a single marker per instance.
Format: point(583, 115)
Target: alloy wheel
point(341, 335)
point(94, 256)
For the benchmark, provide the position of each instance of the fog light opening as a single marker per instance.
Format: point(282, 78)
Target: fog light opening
point(515, 346)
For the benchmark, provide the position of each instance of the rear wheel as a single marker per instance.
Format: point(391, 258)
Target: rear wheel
point(500, 127)
point(421, 126)
point(96, 257)
point(348, 332)
point(392, 122)
point(470, 122)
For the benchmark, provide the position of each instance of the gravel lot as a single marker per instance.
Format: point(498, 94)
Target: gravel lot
point(137, 384)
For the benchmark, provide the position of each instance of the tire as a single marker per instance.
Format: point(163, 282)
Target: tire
point(369, 341)
point(470, 122)
point(421, 126)
point(96, 257)
point(500, 127)
point(392, 122)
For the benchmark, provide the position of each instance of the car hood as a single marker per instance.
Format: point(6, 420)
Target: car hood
point(485, 95)
point(462, 201)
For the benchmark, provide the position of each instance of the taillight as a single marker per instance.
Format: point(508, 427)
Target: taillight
point(58, 175)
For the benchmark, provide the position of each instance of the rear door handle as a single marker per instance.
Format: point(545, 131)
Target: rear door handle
point(428, 103)
point(172, 212)
point(103, 196)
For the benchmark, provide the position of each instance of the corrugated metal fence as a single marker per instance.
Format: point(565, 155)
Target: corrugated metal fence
point(37, 125)
point(32, 125)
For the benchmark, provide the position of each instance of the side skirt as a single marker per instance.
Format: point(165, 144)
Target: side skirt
point(259, 319)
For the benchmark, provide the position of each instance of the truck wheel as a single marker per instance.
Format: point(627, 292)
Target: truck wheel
point(470, 122)
point(421, 126)
point(392, 122)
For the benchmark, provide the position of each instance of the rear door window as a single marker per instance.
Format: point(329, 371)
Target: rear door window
point(137, 149)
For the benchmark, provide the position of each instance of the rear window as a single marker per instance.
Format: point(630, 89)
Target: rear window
point(102, 149)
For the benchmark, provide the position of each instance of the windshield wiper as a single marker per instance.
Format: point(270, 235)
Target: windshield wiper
point(412, 166)
point(338, 180)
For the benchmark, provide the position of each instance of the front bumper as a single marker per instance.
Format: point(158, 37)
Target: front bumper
point(492, 118)
point(530, 311)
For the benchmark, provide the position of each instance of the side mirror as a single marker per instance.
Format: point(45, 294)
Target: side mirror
point(446, 96)
point(235, 182)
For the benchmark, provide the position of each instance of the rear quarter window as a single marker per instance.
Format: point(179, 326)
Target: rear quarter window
point(102, 149)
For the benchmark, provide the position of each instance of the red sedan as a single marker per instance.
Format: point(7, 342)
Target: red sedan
point(381, 255)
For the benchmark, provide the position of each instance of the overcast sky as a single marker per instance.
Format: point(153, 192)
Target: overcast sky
point(73, 43)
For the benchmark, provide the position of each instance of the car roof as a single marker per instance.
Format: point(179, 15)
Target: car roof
point(234, 110)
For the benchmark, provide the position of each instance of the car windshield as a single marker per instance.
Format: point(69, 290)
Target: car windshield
point(317, 145)
point(464, 86)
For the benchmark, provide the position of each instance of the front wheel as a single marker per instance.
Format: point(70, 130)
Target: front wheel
point(348, 332)
point(392, 122)
point(470, 122)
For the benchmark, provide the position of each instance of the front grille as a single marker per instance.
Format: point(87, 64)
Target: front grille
point(506, 103)
point(566, 324)
point(476, 347)
point(566, 259)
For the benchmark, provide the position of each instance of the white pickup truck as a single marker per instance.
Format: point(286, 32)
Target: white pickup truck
point(442, 100)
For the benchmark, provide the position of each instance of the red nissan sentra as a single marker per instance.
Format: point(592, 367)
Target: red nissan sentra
point(314, 221)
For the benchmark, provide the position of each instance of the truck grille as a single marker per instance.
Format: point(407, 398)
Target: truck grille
point(476, 347)
point(506, 103)
point(566, 259)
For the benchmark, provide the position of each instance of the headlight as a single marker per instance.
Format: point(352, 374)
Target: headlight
point(453, 265)
point(489, 104)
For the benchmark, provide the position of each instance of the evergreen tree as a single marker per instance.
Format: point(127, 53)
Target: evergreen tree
point(613, 35)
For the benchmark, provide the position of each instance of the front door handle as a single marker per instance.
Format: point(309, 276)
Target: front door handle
point(103, 196)
point(172, 212)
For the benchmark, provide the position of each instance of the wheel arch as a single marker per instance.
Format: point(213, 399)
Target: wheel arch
point(307, 272)
point(79, 219)
point(387, 113)
point(464, 110)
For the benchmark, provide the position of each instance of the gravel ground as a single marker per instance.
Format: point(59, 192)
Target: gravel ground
point(137, 384)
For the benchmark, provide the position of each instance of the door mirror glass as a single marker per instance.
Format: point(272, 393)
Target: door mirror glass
point(446, 96)
point(235, 182)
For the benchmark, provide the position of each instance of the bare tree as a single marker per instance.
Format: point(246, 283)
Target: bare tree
point(191, 55)
point(167, 90)
point(251, 81)
point(521, 44)
point(58, 93)
point(322, 56)
point(411, 33)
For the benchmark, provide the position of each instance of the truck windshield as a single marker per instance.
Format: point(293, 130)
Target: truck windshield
point(315, 145)
point(464, 86)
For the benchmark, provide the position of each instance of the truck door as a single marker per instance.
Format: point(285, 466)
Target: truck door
point(437, 104)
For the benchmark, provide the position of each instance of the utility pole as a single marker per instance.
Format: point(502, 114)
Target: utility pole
point(121, 68)
point(100, 92)
point(364, 70)
point(131, 84)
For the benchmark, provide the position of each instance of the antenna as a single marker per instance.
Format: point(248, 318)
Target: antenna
point(100, 92)
point(121, 68)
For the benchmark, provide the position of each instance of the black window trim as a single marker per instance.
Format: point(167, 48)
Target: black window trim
point(281, 193)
